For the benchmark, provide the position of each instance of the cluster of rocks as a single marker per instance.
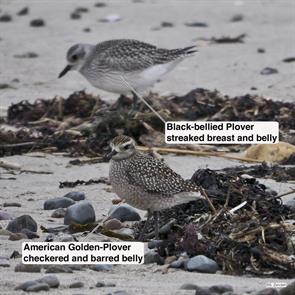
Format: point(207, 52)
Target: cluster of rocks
point(38, 22)
point(228, 290)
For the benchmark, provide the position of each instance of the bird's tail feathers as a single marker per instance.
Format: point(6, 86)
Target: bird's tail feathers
point(186, 197)
point(187, 51)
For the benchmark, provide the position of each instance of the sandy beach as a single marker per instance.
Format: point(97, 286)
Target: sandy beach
point(233, 69)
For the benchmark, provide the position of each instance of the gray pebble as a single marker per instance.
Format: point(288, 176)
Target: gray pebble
point(11, 204)
point(58, 269)
point(4, 262)
point(124, 212)
point(221, 288)
point(38, 287)
point(37, 23)
point(202, 263)
point(23, 11)
point(51, 280)
point(30, 234)
point(269, 71)
point(75, 15)
point(112, 224)
point(76, 285)
point(26, 55)
point(188, 286)
point(59, 202)
point(27, 268)
point(100, 4)
point(75, 196)
point(5, 18)
point(26, 285)
point(101, 267)
point(102, 284)
point(80, 213)
point(67, 238)
point(17, 236)
point(154, 244)
point(59, 213)
point(4, 215)
point(118, 293)
point(289, 290)
point(153, 257)
point(179, 263)
point(268, 291)
point(125, 233)
point(23, 221)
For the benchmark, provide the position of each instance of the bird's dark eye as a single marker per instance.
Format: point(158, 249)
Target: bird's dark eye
point(74, 57)
point(126, 147)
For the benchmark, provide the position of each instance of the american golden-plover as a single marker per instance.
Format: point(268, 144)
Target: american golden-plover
point(145, 182)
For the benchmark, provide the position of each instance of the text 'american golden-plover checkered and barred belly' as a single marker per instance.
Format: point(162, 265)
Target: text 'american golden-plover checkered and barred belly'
point(139, 63)
point(145, 182)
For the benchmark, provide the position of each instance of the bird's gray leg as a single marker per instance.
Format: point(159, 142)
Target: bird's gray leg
point(135, 101)
point(141, 236)
point(156, 218)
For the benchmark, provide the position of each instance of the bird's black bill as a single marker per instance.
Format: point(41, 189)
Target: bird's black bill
point(109, 155)
point(64, 71)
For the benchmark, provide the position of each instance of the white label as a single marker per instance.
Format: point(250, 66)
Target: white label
point(82, 253)
point(224, 132)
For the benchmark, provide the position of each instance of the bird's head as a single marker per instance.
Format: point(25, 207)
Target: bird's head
point(76, 56)
point(122, 147)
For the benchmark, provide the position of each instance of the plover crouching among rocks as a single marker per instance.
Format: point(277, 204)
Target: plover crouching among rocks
point(115, 65)
point(146, 182)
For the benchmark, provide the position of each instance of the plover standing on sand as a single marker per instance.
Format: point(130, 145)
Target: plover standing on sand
point(115, 65)
point(146, 182)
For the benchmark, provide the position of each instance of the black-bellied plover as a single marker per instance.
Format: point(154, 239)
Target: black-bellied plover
point(146, 182)
point(115, 65)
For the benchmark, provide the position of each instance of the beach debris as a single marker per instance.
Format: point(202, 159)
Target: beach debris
point(255, 238)
point(111, 18)
point(83, 182)
point(197, 24)
point(237, 18)
point(289, 59)
point(29, 54)
point(273, 153)
point(226, 39)
point(83, 124)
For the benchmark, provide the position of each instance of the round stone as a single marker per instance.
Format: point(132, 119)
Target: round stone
point(124, 212)
point(75, 196)
point(80, 213)
point(23, 221)
point(59, 202)
point(202, 263)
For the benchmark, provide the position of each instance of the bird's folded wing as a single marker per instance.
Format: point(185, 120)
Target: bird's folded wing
point(126, 55)
point(131, 55)
point(154, 176)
